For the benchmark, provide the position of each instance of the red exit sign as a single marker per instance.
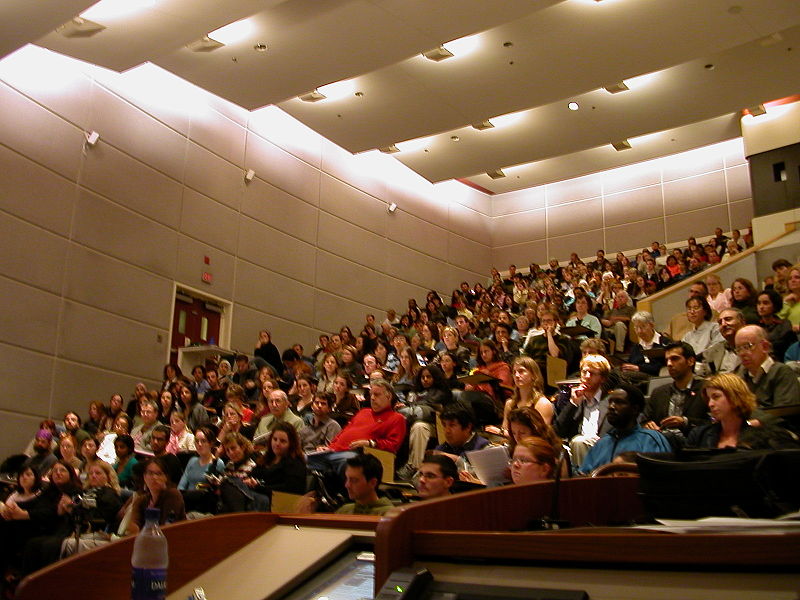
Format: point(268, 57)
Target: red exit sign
point(206, 277)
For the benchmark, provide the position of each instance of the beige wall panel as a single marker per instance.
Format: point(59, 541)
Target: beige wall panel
point(413, 267)
point(214, 176)
point(287, 133)
point(34, 193)
point(274, 294)
point(352, 205)
point(580, 188)
point(464, 195)
point(741, 214)
point(470, 224)
point(696, 162)
point(331, 312)
point(281, 169)
point(29, 395)
point(281, 210)
point(43, 268)
point(209, 221)
point(77, 384)
point(419, 202)
point(353, 169)
point(276, 251)
point(248, 322)
point(18, 430)
point(136, 133)
point(634, 205)
point(735, 155)
point(519, 201)
point(455, 276)
point(106, 227)
point(45, 138)
point(117, 287)
point(350, 280)
point(413, 232)
point(578, 216)
point(585, 244)
point(521, 255)
point(397, 294)
point(191, 266)
point(95, 337)
point(220, 135)
point(634, 236)
point(232, 111)
point(69, 90)
point(519, 228)
point(738, 183)
point(694, 193)
point(468, 254)
point(352, 242)
point(630, 178)
point(697, 223)
point(133, 184)
point(28, 316)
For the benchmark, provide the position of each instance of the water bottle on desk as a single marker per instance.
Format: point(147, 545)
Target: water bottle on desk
point(149, 560)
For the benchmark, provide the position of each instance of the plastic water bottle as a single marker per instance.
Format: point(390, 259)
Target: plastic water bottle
point(149, 560)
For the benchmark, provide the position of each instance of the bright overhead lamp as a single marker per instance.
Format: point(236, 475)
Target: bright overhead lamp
point(79, 28)
point(438, 54)
point(756, 110)
point(481, 125)
point(110, 10)
point(616, 88)
point(413, 144)
point(204, 44)
point(338, 89)
point(496, 174)
point(507, 119)
point(462, 46)
point(389, 149)
point(621, 145)
point(233, 32)
point(314, 96)
point(573, 106)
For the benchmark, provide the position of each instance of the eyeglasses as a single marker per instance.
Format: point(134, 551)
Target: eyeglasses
point(522, 461)
point(694, 308)
point(744, 348)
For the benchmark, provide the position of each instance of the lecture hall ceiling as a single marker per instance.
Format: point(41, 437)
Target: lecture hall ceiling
point(692, 66)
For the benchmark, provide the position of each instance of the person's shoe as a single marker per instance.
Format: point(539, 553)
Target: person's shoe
point(406, 472)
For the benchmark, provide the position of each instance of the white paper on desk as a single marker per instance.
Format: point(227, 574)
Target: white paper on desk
point(490, 464)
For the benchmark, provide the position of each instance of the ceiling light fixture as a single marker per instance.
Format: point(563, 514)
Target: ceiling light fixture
point(616, 88)
point(314, 96)
point(481, 125)
point(338, 89)
point(79, 28)
point(110, 10)
point(437, 54)
point(756, 110)
point(496, 174)
point(232, 32)
point(573, 106)
point(204, 44)
point(463, 46)
point(508, 119)
point(260, 47)
point(392, 149)
point(621, 145)
point(391, 208)
point(455, 138)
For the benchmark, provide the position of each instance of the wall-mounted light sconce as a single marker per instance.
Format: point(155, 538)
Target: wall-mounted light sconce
point(391, 208)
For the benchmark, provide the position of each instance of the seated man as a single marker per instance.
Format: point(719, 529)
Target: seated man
point(378, 426)
point(141, 433)
point(437, 474)
point(458, 422)
point(43, 457)
point(625, 403)
point(773, 383)
point(582, 420)
point(279, 411)
point(319, 433)
point(72, 426)
point(158, 444)
point(674, 408)
point(721, 357)
point(547, 339)
point(363, 474)
point(645, 327)
point(615, 319)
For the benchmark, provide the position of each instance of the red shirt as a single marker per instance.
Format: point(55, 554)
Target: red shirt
point(387, 428)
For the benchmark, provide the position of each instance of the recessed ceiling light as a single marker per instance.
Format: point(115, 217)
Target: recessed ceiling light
point(616, 88)
point(314, 96)
point(389, 149)
point(455, 138)
point(233, 32)
point(756, 110)
point(338, 89)
point(437, 54)
point(573, 106)
point(110, 10)
point(621, 145)
point(260, 47)
point(79, 28)
point(204, 44)
point(463, 46)
point(496, 174)
point(481, 125)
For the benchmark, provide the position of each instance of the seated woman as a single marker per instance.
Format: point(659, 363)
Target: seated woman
point(731, 404)
point(180, 438)
point(779, 331)
point(490, 363)
point(97, 416)
point(167, 405)
point(704, 332)
point(302, 395)
point(528, 391)
point(744, 295)
point(232, 423)
point(197, 493)
point(330, 367)
point(234, 494)
point(583, 317)
point(718, 298)
point(534, 459)
point(451, 369)
point(26, 513)
point(526, 422)
point(349, 362)
point(194, 412)
point(403, 380)
point(157, 492)
point(282, 467)
point(67, 447)
point(89, 456)
point(345, 404)
point(791, 301)
point(126, 460)
point(451, 343)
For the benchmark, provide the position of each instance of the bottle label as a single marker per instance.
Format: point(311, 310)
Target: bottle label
point(148, 584)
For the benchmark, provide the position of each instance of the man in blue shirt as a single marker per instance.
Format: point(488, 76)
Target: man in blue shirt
point(625, 403)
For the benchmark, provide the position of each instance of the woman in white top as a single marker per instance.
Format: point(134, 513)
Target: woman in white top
point(704, 332)
point(718, 298)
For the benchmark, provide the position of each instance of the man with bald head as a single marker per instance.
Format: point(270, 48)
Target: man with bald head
point(773, 383)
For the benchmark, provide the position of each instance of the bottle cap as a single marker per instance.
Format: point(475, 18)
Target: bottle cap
point(152, 514)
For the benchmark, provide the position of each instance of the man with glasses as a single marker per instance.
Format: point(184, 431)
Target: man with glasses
point(773, 383)
point(158, 444)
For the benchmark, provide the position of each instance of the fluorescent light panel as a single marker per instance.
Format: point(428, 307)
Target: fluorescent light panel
point(233, 32)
